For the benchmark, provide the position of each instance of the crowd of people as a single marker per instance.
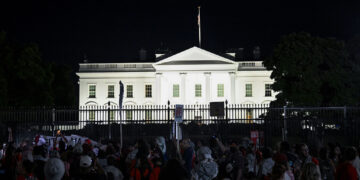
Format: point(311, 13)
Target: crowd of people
point(164, 159)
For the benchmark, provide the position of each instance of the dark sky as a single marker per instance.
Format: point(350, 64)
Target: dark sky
point(114, 31)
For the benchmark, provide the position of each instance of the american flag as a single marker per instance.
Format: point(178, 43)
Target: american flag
point(198, 16)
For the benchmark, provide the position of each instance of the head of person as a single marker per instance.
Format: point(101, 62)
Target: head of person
point(87, 148)
point(110, 149)
point(310, 172)
point(302, 150)
point(350, 154)
point(185, 143)
point(78, 149)
point(284, 146)
point(85, 163)
point(324, 153)
point(204, 153)
point(54, 169)
point(113, 173)
point(337, 150)
point(281, 158)
point(40, 152)
point(160, 142)
point(233, 147)
point(267, 153)
point(143, 149)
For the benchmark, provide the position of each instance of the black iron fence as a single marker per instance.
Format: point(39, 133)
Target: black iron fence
point(294, 123)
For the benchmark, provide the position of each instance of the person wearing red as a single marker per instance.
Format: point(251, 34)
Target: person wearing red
point(346, 170)
point(142, 167)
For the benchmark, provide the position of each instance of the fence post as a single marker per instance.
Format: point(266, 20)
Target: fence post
point(53, 122)
point(346, 126)
point(109, 125)
point(226, 111)
point(168, 111)
point(284, 131)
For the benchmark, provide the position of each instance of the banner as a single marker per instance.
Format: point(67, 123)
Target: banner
point(179, 112)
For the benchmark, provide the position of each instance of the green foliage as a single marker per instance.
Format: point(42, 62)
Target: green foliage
point(63, 86)
point(312, 71)
point(26, 80)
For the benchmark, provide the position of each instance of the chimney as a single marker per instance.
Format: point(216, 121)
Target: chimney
point(162, 50)
point(256, 53)
point(142, 54)
point(239, 56)
point(85, 59)
point(231, 52)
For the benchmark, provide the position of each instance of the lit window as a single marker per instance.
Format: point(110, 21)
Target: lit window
point(248, 90)
point(176, 89)
point(129, 91)
point(92, 115)
point(111, 91)
point(249, 116)
point(220, 90)
point(148, 91)
point(148, 115)
point(129, 115)
point(197, 90)
point(112, 115)
point(92, 91)
point(267, 90)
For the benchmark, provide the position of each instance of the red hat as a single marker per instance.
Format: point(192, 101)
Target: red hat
point(280, 158)
point(88, 141)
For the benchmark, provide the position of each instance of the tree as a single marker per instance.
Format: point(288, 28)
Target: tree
point(312, 71)
point(27, 79)
point(3, 82)
point(63, 89)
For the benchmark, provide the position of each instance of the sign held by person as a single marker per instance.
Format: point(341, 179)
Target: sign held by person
point(179, 112)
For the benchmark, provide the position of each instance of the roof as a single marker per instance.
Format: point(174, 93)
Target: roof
point(194, 56)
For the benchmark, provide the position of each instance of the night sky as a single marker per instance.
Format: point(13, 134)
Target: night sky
point(114, 31)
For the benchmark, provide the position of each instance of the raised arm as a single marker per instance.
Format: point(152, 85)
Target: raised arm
point(10, 138)
point(221, 145)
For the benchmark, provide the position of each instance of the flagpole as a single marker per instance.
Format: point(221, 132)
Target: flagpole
point(199, 24)
point(121, 96)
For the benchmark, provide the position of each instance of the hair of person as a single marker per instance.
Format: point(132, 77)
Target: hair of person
point(324, 153)
point(284, 146)
point(299, 146)
point(173, 170)
point(350, 154)
point(54, 169)
point(62, 146)
point(143, 149)
point(40, 150)
point(267, 152)
point(310, 172)
point(278, 171)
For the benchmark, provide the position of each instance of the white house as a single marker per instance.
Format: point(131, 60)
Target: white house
point(193, 76)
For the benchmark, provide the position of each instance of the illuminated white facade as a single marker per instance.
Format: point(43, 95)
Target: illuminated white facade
point(193, 76)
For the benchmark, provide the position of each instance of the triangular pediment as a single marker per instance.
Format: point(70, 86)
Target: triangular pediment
point(194, 56)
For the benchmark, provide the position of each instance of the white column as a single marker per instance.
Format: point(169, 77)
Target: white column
point(232, 87)
point(158, 88)
point(207, 87)
point(183, 88)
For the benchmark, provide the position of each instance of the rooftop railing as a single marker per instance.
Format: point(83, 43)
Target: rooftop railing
point(115, 67)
